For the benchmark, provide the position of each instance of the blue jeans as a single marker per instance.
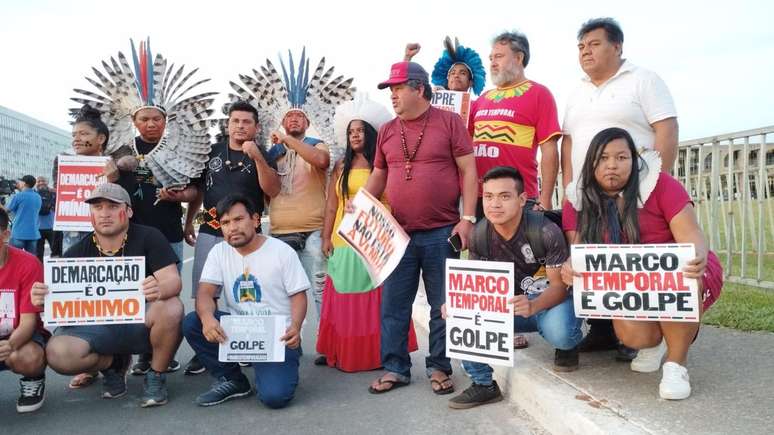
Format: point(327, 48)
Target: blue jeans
point(275, 382)
point(427, 252)
point(557, 325)
point(316, 267)
point(178, 248)
point(30, 246)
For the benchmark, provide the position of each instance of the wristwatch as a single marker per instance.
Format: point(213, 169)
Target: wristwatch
point(471, 219)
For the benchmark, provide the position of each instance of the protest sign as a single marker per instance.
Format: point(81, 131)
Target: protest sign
point(252, 339)
point(634, 282)
point(375, 235)
point(453, 101)
point(479, 320)
point(94, 291)
point(77, 176)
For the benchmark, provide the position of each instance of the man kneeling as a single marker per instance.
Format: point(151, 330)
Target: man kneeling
point(545, 304)
point(108, 348)
point(22, 336)
point(260, 276)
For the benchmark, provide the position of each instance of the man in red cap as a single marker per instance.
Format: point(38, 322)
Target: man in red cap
point(424, 162)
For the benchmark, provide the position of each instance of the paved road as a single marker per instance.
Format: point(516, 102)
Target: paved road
point(327, 401)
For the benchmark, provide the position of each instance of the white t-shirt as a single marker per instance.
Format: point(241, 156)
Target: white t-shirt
point(633, 99)
point(260, 283)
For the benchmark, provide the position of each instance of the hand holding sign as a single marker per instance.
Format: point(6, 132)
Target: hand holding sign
point(522, 306)
point(38, 294)
point(212, 330)
point(695, 268)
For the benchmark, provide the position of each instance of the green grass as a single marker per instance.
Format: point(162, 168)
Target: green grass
point(744, 308)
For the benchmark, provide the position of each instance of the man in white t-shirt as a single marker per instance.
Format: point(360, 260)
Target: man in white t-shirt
point(615, 93)
point(260, 276)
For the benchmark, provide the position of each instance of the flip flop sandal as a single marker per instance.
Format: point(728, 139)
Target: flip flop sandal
point(520, 342)
point(393, 385)
point(82, 380)
point(441, 390)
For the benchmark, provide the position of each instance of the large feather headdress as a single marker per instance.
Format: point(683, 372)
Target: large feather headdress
point(274, 95)
point(123, 90)
point(454, 54)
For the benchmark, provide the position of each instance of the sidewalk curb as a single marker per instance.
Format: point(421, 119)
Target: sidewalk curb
point(556, 404)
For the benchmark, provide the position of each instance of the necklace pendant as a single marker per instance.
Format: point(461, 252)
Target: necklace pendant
point(240, 164)
point(228, 162)
point(408, 171)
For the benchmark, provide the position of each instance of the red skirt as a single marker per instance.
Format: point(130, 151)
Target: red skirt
point(349, 332)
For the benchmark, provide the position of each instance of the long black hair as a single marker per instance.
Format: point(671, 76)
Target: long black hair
point(92, 117)
point(369, 150)
point(592, 218)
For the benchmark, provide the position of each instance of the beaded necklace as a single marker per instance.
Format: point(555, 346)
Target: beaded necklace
point(409, 157)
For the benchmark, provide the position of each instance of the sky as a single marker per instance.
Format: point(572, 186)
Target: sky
point(717, 57)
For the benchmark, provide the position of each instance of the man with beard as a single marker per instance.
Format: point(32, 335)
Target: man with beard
point(260, 276)
point(509, 123)
point(108, 348)
point(236, 165)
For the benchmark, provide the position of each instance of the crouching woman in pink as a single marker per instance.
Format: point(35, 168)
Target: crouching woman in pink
point(622, 197)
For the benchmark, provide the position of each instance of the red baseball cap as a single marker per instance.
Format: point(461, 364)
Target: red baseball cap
point(402, 72)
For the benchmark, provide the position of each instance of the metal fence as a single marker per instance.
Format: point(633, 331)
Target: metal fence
point(731, 180)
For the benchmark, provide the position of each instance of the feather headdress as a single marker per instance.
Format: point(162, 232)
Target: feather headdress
point(123, 90)
point(454, 54)
point(362, 108)
point(274, 95)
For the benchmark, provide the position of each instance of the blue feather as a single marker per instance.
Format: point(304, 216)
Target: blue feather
point(149, 64)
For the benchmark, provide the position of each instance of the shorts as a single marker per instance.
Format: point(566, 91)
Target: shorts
point(124, 339)
point(41, 338)
point(712, 281)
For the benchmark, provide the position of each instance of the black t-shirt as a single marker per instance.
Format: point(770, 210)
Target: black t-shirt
point(223, 175)
point(141, 241)
point(529, 274)
point(141, 184)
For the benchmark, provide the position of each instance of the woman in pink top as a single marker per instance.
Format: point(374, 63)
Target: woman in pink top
point(623, 197)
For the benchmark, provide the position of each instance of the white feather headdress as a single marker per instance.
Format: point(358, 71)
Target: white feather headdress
point(362, 108)
point(183, 150)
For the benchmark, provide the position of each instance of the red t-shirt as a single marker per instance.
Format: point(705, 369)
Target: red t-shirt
point(18, 274)
point(430, 199)
point(509, 124)
point(668, 198)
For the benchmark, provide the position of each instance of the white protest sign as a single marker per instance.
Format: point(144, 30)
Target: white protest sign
point(375, 235)
point(94, 291)
point(77, 176)
point(479, 320)
point(634, 282)
point(252, 339)
point(452, 101)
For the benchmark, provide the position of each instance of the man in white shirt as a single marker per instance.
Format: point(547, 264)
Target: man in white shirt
point(615, 93)
point(259, 275)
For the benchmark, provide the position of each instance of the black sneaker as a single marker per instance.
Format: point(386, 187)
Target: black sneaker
point(225, 389)
point(114, 378)
point(154, 390)
point(566, 360)
point(33, 392)
point(143, 364)
point(194, 367)
point(321, 360)
point(476, 395)
point(625, 353)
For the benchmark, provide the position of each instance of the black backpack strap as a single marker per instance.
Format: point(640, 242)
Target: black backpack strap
point(534, 232)
point(479, 242)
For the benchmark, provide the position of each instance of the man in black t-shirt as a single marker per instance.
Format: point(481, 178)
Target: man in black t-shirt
point(236, 165)
point(108, 348)
point(543, 302)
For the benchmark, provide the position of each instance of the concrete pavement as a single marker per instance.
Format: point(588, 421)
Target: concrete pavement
point(327, 401)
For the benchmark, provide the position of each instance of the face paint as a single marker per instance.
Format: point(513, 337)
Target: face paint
point(122, 216)
point(93, 220)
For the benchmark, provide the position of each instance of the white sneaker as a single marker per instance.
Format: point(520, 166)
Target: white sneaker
point(649, 360)
point(675, 382)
